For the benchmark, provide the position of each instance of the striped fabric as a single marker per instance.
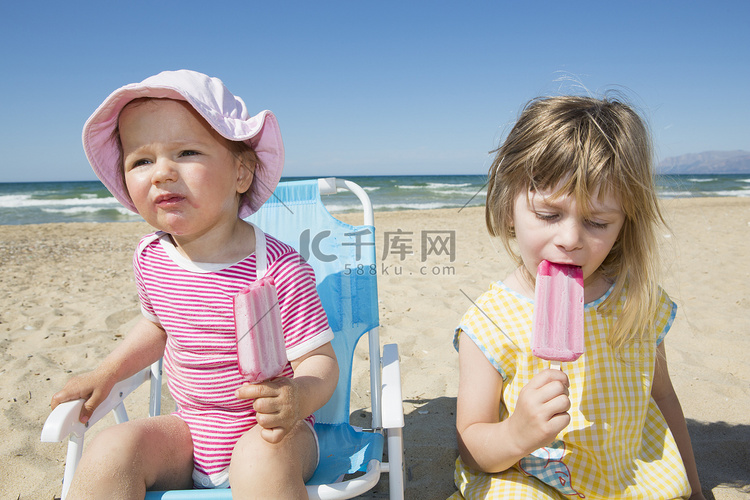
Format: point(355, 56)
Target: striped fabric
point(193, 303)
point(618, 444)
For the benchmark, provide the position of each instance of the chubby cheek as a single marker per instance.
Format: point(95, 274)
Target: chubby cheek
point(531, 249)
point(597, 254)
point(137, 191)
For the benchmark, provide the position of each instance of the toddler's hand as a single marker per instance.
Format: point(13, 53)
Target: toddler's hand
point(541, 411)
point(276, 406)
point(93, 386)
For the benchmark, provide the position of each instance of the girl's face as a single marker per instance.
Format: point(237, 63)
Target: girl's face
point(180, 173)
point(556, 230)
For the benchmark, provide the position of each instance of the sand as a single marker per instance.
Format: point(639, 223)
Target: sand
point(68, 297)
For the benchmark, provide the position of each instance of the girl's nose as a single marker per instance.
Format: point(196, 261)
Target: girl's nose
point(164, 171)
point(569, 236)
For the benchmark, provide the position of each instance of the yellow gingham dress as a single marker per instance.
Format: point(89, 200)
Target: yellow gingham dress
point(617, 446)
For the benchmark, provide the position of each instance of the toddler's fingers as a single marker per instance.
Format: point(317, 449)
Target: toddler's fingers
point(267, 406)
point(87, 410)
point(58, 398)
point(90, 405)
point(273, 435)
point(69, 392)
point(255, 391)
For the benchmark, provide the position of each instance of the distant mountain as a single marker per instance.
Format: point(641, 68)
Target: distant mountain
point(709, 162)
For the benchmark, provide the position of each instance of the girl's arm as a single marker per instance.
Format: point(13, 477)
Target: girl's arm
point(282, 402)
point(485, 442)
point(666, 399)
point(315, 375)
point(142, 346)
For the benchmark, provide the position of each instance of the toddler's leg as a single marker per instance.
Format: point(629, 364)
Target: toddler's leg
point(260, 469)
point(125, 460)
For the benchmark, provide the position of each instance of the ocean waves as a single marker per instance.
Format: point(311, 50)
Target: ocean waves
point(692, 186)
point(36, 203)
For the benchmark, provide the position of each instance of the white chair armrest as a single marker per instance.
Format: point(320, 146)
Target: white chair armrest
point(347, 489)
point(393, 404)
point(63, 420)
point(327, 185)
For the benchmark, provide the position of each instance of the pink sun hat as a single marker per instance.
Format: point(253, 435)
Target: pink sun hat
point(225, 112)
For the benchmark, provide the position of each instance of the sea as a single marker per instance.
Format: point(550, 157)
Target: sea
point(89, 201)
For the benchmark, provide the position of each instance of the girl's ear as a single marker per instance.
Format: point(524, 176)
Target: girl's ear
point(245, 174)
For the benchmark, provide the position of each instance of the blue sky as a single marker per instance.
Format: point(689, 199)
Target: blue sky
point(375, 88)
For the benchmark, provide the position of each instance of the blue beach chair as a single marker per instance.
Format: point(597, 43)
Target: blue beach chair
point(343, 257)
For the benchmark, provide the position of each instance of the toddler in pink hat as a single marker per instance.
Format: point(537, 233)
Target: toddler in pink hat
point(183, 152)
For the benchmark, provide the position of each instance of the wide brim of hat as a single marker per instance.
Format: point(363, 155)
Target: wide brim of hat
point(261, 132)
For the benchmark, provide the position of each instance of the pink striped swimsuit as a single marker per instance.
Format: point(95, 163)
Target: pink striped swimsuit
point(193, 303)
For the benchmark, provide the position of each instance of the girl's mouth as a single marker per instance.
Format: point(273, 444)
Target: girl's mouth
point(168, 200)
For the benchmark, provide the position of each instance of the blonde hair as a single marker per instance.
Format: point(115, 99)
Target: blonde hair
point(584, 146)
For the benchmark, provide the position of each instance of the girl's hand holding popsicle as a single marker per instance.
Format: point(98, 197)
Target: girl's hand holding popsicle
point(541, 411)
point(277, 406)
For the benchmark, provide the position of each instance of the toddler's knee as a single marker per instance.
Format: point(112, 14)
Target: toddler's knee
point(280, 467)
point(253, 449)
point(115, 446)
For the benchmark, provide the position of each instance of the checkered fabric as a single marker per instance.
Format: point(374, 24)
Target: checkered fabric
point(618, 444)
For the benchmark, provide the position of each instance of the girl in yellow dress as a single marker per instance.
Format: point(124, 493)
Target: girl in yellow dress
point(573, 184)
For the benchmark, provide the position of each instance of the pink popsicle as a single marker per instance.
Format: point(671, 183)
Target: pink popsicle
point(261, 353)
point(557, 328)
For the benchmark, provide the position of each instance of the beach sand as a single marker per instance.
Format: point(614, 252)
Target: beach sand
point(68, 297)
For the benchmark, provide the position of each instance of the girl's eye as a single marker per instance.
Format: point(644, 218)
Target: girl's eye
point(596, 225)
point(137, 163)
point(547, 217)
point(189, 152)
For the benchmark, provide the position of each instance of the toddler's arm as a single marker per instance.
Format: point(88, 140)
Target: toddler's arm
point(488, 444)
point(282, 402)
point(666, 399)
point(141, 347)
